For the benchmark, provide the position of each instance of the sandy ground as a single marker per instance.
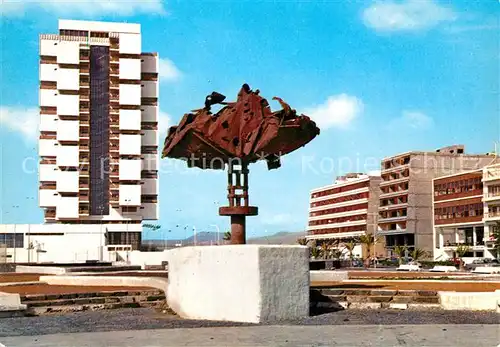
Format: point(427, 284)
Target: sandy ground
point(48, 289)
point(433, 285)
point(18, 277)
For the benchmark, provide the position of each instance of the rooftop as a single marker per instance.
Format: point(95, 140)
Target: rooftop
point(130, 28)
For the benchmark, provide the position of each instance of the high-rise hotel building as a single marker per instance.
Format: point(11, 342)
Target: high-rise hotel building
point(98, 142)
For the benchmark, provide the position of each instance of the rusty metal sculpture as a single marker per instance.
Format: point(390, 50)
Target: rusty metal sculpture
point(241, 133)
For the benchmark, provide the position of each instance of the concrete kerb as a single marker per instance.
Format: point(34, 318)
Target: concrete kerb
point(328, 275)
point(122, 281)
point(49, 270)
point(10, 305)
point(473, 301)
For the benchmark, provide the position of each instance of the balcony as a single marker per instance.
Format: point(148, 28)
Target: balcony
point(394, 193)
point(392, 219)
point(393, 206)
point(452, 246)
point(397, 231)
point(492, 215)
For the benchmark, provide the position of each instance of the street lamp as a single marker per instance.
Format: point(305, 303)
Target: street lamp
point(218, 232)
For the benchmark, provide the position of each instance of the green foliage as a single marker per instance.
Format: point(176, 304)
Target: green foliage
point(462, 250)
point(495, 232)
point(302, 241)
point(315, 252)
point(418, 253)
point(227, 236)
point(153, 227)
point(400, 252)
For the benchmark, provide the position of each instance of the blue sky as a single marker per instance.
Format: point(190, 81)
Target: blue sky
point(378, 77)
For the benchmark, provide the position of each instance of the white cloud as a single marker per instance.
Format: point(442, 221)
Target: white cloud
point(21, 120)
point(168, 71)
point(164, 122)
point(408, 15)
point(413, 120)
point(336, 111)
point(83, 7)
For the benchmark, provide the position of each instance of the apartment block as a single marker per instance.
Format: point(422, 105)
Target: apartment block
point(491, 199)
point(458, 215)
point(345, 209)
point(98, 143)
point(406, 198)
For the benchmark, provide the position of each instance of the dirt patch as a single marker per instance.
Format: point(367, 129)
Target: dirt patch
point(19, 277)
point(423, 285)
point(402, 274)
point(48, 289)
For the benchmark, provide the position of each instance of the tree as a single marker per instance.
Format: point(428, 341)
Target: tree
point(349, 247)
point(400, 251)
point(495, 234)
point(368, 240)
point(227, 236)
point(461, 251)
point(325, 249)
point(302, 241)
point(418, 253)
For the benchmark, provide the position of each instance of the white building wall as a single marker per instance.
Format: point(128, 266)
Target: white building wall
point(68, 181)
point(130, 69)
point(48, 72)
point(130, 195)
point(49, 47)
point(68, 156)
point(150, 138)
point(149, 113)
point(130, 43)
point(130, 119)
point(68, 52)
point(48, 172)
point(68, 79)
point(47, 148)
point(68, 130)
point(149, 89)
point(48, 197)
point(149, 186)
point(48, 97)
point(130, 169)
point(149, 211)
point(48, 122)
point(68, 105)
point(67, 208)
point(130, 144)
point(130, 94)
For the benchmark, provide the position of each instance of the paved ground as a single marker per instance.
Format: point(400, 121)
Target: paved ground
point(456, 286)
point(53, 289)
point(145, 318)
point(401, 335)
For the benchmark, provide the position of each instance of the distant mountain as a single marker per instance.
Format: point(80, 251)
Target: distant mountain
point(207, 238)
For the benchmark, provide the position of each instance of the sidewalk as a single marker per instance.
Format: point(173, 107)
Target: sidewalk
point(348, 336)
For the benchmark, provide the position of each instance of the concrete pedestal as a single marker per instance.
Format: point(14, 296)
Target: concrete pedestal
point(241, 283)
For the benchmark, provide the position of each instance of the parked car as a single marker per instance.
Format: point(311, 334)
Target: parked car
point(484, 262)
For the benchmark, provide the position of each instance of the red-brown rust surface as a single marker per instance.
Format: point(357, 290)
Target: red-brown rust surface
point(49, 289)
point(246, 129)
point(401, 274)
point(432, 285)
point(18, 277)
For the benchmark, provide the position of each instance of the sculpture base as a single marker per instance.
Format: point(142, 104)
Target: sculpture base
point(244, 283)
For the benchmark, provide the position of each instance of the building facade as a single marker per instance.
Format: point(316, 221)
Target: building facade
point(491, 199)
point(345, 209)
point(458, 215)
point(98, 143)
point(406, 198)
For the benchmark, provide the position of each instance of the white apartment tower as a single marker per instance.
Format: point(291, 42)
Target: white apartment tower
point(98, 142)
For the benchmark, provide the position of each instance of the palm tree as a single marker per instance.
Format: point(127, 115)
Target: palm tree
point(349, 247)
point(325, 248)
point(495, 234)
point(461, 251)
point(368, 240)
point(400, 251)
point(302, 241)
point(418, 253)
point(227, 236)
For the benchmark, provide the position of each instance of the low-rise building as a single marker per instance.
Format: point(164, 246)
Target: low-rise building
point(458, 215)
point(406, 198)
point(491, 198)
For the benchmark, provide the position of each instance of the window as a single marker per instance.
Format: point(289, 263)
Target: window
point(12, 240)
